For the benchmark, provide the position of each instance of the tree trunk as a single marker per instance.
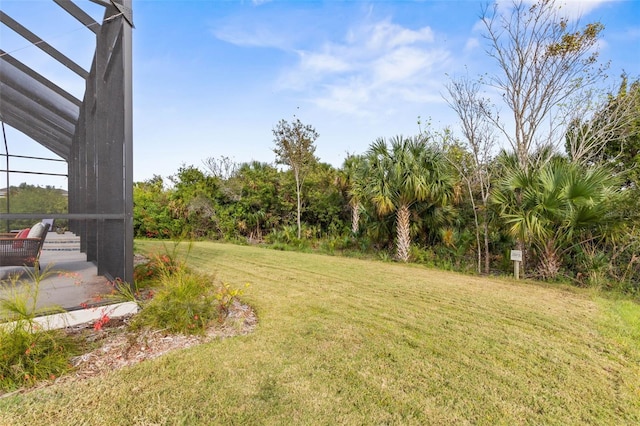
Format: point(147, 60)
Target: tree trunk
point(487, 263)
point(299, 203)
point(475, 221)
point(549, 261)
point(403, 217)
point(355, 218)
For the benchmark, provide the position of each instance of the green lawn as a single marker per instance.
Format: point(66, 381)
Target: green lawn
point(347, 341)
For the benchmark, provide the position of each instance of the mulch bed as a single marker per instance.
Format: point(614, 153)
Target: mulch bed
point(117, 347)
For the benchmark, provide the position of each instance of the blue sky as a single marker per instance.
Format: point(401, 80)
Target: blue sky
point(212, 78)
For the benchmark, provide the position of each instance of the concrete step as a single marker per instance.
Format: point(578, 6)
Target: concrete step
point(61, 242)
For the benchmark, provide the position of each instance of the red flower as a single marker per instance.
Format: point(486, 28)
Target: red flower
point(100, 322)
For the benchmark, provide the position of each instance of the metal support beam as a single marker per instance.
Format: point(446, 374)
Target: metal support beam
point(31, 100)
point(127, 55)
point(125, 10)
point(105, 3)
point(79, 14)
point(53, 117)
point(82, 216)
point(37, 107)
point(36, 129)
point(42, 45)
point(4, 56)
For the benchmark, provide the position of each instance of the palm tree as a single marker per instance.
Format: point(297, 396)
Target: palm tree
point(349, 179)
point(403, 173)
point(555, 206)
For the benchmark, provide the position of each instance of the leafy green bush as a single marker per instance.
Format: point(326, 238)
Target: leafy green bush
point(425, 256)
point(336, 243)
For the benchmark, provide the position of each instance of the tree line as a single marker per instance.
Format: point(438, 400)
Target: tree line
point(552, 170)
point(26, 198)
point(563, 189)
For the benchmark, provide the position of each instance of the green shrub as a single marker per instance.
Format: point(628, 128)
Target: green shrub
point(28, 353)
point(186, 302)
point(158, 265)
point(183, 301)
point(336, 243)
point(137, 292)
point(424, 256)
point(27, 357)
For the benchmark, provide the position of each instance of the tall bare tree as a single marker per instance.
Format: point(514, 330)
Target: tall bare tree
point(295, 148)
point(544, 58)
point(595, 120)
point(480, 140)
point(223, 169)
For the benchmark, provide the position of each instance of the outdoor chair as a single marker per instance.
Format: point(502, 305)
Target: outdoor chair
point(24, 248)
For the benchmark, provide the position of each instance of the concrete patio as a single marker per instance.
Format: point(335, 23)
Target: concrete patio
point(73, 282)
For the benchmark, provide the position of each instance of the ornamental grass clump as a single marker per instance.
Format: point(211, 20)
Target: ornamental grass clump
point(29, 353)
point(158, 265)
point(27, 357)
point(183, 301)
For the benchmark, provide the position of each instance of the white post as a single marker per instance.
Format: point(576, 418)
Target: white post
point(516, 256)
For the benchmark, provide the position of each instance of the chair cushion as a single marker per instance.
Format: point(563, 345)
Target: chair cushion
point(36, 231)
point(20, 236)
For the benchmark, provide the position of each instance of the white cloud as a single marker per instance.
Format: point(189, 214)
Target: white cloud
point(346, 97)
point(405, 64)
point(577, 8)
point(472, 44)
point(385, 35)
point(323, 62)
point(259, 36)
point(376, 63)
point(572, 9)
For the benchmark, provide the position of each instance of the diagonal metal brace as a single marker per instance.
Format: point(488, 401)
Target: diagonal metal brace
point(127, 13)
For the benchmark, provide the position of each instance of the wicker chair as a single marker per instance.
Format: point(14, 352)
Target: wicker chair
point(21, 252)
